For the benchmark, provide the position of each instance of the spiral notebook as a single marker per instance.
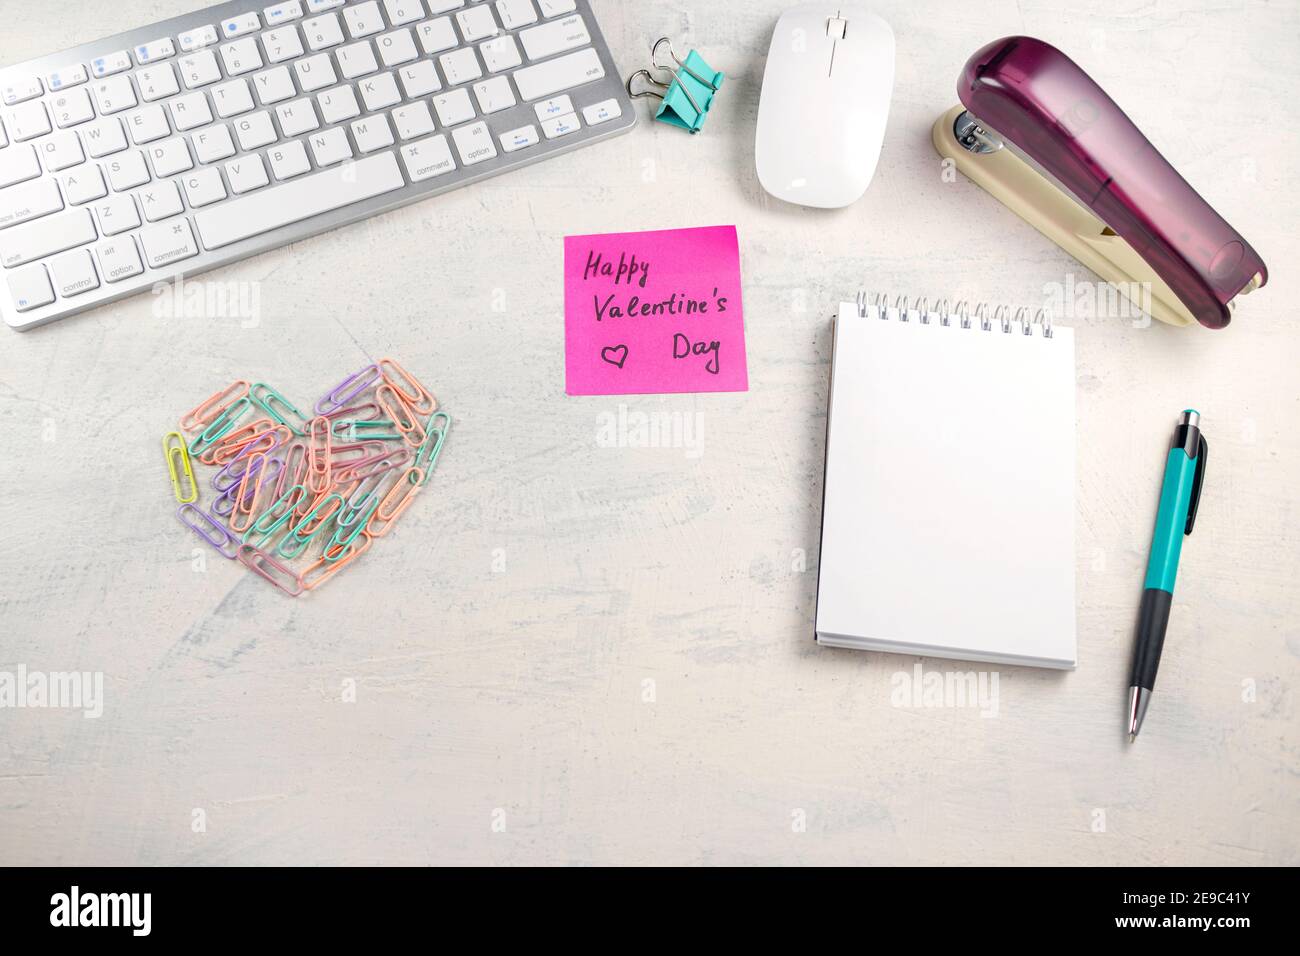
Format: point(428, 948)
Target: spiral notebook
point(948, 519)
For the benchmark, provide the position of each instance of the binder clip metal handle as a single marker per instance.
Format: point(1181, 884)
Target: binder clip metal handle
point(688, 90)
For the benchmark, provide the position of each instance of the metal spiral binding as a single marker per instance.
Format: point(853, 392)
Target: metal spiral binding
point(1000, 316)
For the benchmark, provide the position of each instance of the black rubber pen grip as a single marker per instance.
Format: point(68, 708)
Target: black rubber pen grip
point(1153, 619)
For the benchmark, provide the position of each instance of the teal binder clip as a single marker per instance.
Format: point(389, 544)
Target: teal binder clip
point(689, 92)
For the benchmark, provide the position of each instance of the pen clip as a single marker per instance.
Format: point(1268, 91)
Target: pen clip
point(1202, 454)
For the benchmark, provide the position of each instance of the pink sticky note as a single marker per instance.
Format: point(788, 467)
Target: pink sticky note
point(651, 312)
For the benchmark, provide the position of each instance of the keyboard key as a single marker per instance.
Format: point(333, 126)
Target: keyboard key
point(103, 138)
point(4, 140)
point(558, 36)
point(127, 171)
point(170, 157)
point(238, 26)
point(18, 164)
point(241, 56)
point(494, 95)
point(274, 86)
point(297, 117)
point(460, 66)
point(157, 82)
point(419, 79)
point(72, 108)
point(288, 160)
point(427, 158)
point(281, 45)
point(401, 12)
point(117, 214)
point(453, 107)
point(553, 107)
point(380, 92)
point(520, 138)
point(555, 8)
point(118, 259)
point(329, 147)
point(246, 174)
point(147, 124)
point(198, 38)
point(73, 273)
point(72, 75)
point(168, 242)
point(110, 63)
point(437, 35)
point(602, 112)
point(303, 198)
point(372, 133)
point(84, 184)
point(477, 23)
point(190, 111)
point(45, 236)
point(397, 48)
point(159, 201)
point(356, 59)
point(203, 187)
point(322, 32)
point(560, 74)
point(30, 288)
point(27, 121)
point(474, 143)
point(315, 73)
point(442, 6)
point(232, 99)
point(516, 13)
point(199, 69)
point(320, 6)
point(213, 144)
point(154, 50)
point(282, 13)
point(561, 126)
point(413, 120)
point(114, 95)
point(255, 131)
point(61, 151)
point(21, 89)
point(338, 104)
point(363, 19)
point(500, 54)
point(29, 201)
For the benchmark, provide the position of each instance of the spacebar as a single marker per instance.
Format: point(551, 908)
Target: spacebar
point(299, 199)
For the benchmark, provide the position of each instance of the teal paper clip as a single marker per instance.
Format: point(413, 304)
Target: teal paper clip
point(687, 95)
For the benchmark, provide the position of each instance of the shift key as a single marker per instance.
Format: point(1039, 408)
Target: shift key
point(46, 236)
point(562, 73)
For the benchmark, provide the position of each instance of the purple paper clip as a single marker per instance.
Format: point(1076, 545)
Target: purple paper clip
point(334, 400)
point(211, 531)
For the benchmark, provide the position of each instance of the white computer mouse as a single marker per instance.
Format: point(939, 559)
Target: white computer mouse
point(825, 100)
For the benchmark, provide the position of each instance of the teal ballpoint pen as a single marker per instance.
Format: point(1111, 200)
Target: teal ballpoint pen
point(1179, 497)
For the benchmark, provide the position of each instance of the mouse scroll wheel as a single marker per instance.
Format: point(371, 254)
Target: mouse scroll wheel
point(836, 27)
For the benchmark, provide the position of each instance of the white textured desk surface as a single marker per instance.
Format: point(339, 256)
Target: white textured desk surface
point(501, 644)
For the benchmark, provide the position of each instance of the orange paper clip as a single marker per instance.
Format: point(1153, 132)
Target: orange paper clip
point(320, 571)
point(394, 503)
point(404, 420)
point(408, 386)
point(212, 406)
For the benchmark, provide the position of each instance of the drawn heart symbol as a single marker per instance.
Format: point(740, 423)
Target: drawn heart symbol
point(615, 355)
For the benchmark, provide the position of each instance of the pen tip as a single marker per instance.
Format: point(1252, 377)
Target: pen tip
point(1132, 738)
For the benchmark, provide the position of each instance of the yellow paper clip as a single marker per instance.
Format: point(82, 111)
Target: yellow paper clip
point(174, 449)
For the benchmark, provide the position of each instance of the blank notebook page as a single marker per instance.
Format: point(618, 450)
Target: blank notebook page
point(948, 526)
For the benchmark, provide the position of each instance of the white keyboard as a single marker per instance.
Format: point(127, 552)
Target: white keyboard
point(198, 141)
